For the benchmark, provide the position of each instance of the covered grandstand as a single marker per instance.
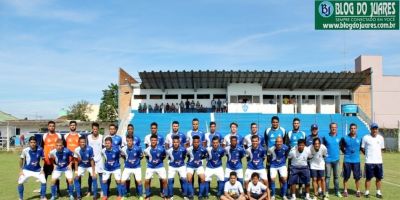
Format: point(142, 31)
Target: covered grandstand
point(252, 96)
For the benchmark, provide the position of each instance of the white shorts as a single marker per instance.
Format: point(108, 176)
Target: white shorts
point(116, 173)
point(173, 170)
point(57, 174)
point(82, 170)
point(261, 172)
point(239, 173)
point(274, 171)
point(218, 172)
point(159, 171)
point(199, 170)
point(137, 172)
point(99, 166)
point(28, 173)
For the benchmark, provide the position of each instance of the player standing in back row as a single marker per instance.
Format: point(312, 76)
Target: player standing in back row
point(372, 146)
point(351, 146)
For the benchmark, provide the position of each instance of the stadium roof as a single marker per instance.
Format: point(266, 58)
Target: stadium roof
point(268, 79)
point(5, 116)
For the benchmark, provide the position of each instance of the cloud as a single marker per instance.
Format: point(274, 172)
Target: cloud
point(44, 9)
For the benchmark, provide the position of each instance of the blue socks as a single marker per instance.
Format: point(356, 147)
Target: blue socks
point(240, 180)
point(94, 187)
point(207, 189)
point(139, 189)
point(170, 187)
point(273, 188)
point(21, 191)
point(284, 189)
point(221, 185)
point(190, 189)
point(53, 190)
point(203, 188)
point(148, 193)
point(43, 190)
point(71, 189)
point(104, 188)
point(77, 187)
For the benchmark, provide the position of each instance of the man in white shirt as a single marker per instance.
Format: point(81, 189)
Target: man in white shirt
point(372, 146)
point(299, 170)
point(95, 140)
point(317, 166)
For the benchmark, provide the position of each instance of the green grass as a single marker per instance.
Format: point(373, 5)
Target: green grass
point(9, 173)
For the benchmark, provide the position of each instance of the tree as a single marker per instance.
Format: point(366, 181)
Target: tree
point(78, 111)
point(109, 104)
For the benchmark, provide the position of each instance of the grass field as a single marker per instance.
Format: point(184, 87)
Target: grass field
point(9, 174)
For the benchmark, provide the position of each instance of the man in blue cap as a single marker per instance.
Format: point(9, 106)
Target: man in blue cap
point(314, 134)
point(372, 146)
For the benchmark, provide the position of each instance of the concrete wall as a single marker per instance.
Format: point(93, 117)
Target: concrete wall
point(385, 96)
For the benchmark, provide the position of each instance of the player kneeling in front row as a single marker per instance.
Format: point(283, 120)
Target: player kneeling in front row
point(233, 189)
point(111, 166)
point(257, 190)
point(176, 156)
point(155, 155)
point(132, 154)
point(299, 170)
point(30, 167)
point(84, 162)
point(61, 158)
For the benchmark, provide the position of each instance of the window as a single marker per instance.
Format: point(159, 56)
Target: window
point(156, 96)
point(233, 99)
point(256, 99)
point(187, 96)
point(171, 96)
point(219, 96)
point(142, 96)
point(245, 99)
point(325, 97)
point(346, 97)
point(268, 97)
point(203, 96)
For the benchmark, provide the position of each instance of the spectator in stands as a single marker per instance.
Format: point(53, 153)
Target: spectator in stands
point(167, 108)
point(187, 104)
point(173, 108)
point(182, 106)
point(162, 108)
point(285, 100)
point(271, 101)
point(219, 103)
point(225, 106)
point(197, 105)
point(156, 108)
point(140, 108)
point(213, 105)
point(144, 107)
point(192, 104)
point(150, 109)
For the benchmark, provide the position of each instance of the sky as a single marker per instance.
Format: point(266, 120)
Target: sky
point(55, 53)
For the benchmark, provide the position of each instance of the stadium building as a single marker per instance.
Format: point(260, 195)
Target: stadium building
point(361, 96)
